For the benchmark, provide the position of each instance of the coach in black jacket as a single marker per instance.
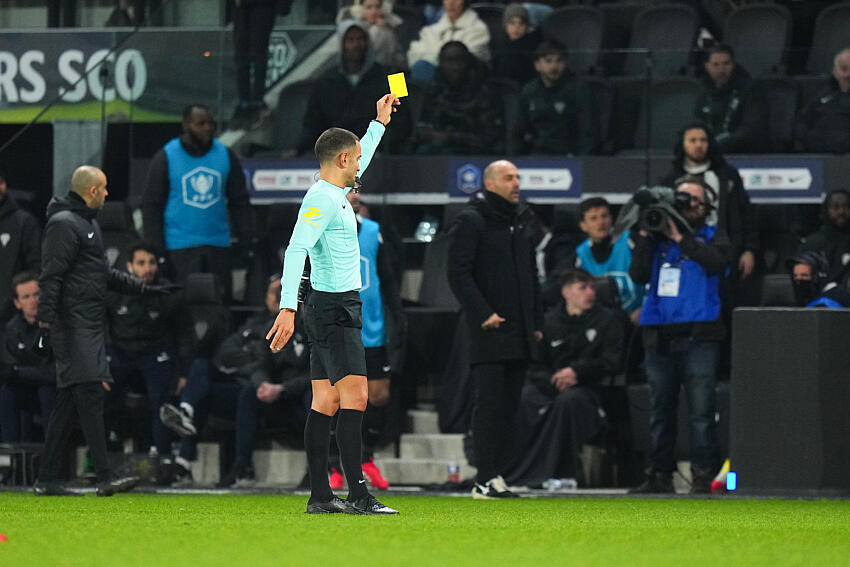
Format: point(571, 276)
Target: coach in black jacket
point(491, 271)
point(73, 282)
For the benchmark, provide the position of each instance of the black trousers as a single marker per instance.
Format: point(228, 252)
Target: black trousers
point(205, 259)
point(252, 26)
point(498, 388)
point(85, 400)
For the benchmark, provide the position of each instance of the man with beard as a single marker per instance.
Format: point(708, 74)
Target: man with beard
point(20, 250)
point(142, 345)
point(71, 315)
point(491, 272)
point(833, 238)
point(194, 183)
point(731, 103)
point(682, 333)
point(696, 154)
point(461, 113)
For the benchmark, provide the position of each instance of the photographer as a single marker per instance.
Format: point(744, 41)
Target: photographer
point(682, 332)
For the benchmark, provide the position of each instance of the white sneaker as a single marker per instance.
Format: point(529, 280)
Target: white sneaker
point(494, 488)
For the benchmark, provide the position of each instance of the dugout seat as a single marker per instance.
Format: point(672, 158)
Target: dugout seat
point(116, 225)
point(831, 35)
point(579, 29)
point(759, 34)
point(668, 32)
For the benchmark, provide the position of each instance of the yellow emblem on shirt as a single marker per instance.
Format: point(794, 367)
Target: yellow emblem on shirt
point(311, 216)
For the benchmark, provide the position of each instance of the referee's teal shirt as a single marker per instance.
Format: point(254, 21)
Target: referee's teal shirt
point(326, 230)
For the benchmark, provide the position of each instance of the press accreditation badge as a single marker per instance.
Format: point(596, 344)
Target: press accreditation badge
point(668, 281)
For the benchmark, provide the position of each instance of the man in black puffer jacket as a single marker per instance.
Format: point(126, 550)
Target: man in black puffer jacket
point(72, 309)
point(491, 271)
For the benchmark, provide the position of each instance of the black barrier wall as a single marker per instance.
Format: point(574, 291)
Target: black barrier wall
point(790, 424)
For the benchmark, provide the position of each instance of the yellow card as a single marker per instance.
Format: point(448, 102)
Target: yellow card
point(398, 86)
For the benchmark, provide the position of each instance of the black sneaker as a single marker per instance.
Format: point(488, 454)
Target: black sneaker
point(655, 483)
point(177, 420)
point(335, 506)
point(368, 505)
point(51, 489)
point(117, 484)
point(701, 481)
point(493, 488)
point(240, 476)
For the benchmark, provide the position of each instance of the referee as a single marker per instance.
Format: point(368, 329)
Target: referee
point(326, 230)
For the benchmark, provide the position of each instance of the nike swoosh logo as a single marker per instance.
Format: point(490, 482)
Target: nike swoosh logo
point(40, 342)
point(361, 481)
point(557, 343)
point(91, 235)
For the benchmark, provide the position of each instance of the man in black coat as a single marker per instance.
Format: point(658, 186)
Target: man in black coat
point(823, 125)
point(27, 380)
point(696, 153)
point(491, 271)
point(833, 237)
point(20, 237)
point(72, 309)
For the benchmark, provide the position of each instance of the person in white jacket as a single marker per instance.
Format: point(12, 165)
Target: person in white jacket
point(458, 23)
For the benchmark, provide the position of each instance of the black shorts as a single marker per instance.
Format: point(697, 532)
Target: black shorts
point(377, 363)
point(333, 324)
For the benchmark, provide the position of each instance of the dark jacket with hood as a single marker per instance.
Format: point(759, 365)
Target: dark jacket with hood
point(20, 247)
point(736, 112)
point(74, 280)
point(20, 365)
point(735, 215)
point(348, 101)
point(824, 123)
point(491, 269)
point(558, 119)
point(834, 243)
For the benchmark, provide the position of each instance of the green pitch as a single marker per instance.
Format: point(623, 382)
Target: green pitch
point(255, 530)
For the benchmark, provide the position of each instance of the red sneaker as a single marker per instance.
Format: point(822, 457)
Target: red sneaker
point(373, 474)
point(335, 479)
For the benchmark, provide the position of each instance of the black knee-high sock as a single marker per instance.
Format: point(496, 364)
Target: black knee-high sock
point(348, 437)
point(374, 422)
point(316, 443)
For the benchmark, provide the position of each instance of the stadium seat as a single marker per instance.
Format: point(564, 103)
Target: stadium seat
point(607, 293)
point(672, 104)
point(831, 35)
point(602, 94)
point(668, 32)
point(491, 14)
point(288, 122)
point(435, 290)
point(412, 20)
point(783, 97)
point(627, 98)
point(579, 28)
point(759, 34)
point(116, 225)
point(777, 291)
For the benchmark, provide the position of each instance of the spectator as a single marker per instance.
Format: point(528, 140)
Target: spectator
point(833, 237)
point(243, 381)
point(461, 113)
point(824, 123)
point(384, 333)
point(731, 103)
point(555, 108)
point(513, 50)
point(20, 250)
point(27, 379)
point(345, 96)
point(491, 272)
point(809, 276)
point(697, 154)
point(382, 23)
point(142, 343)
point(253, 21)
point(682, 332)
point(458, 23)
point(194, 184)
point(604, 254)
point(582, 343)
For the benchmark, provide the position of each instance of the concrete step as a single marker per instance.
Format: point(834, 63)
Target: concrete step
point(421, 471)
point(423, 421)
point(280, 466)
point(445, 446)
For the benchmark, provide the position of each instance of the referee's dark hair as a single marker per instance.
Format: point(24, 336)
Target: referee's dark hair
point(573, 275)
point(332, 142)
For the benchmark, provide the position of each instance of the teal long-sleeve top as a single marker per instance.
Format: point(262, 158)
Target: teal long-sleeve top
point(326, 230)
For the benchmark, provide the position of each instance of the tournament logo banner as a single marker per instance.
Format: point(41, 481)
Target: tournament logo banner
point(539, 179)
point(781, 180)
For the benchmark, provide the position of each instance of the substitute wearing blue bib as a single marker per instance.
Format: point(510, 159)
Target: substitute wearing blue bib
point(617, 267)
point(374, 331)
point(196, 211)
point(680, 290)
